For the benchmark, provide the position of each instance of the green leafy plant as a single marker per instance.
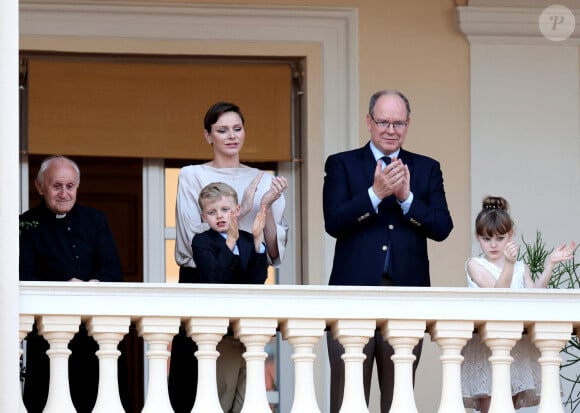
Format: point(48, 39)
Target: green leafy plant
point(564, 275)
point(26, 225)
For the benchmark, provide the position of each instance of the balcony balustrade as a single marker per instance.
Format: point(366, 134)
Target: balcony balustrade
point(302, 314)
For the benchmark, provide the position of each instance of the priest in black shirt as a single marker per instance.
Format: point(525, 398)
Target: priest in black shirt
point(63, 241)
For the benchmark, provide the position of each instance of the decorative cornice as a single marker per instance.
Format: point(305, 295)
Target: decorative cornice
point(172, 20)
point(508, 25)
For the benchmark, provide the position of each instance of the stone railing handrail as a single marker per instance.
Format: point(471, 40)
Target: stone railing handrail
point(276, 301)
point(301, 314)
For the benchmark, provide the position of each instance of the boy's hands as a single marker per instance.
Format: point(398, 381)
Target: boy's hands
point(233, 231)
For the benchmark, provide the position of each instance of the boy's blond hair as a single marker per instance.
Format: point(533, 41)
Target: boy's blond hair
point(216, 190)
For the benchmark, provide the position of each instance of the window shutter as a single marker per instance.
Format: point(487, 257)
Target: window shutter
point(154, 109)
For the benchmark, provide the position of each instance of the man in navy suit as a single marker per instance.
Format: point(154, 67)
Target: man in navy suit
point(381, 203)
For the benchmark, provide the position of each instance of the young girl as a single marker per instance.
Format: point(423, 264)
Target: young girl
point(499, 268)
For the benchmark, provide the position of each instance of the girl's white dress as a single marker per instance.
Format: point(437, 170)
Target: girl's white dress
point(476, 369)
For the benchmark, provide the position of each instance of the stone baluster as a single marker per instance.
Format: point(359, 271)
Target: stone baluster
point(550, 338)
point(207, 333)
point(501, 337)
point(158, 333)
point(255, 333)
point(403, 335)
point(108, 331)
point(451, 336)
point(58, 331)
point(303, 335)
point(25, 326)
point(353, 335)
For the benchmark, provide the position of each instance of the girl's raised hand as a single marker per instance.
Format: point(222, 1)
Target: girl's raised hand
point(511, 252)
point(562, 253)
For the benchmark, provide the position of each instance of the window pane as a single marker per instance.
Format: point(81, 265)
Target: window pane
point(171, 267)
point(171, 175)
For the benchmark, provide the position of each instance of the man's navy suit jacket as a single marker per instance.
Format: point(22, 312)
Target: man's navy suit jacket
point(218, 264)
point(362, 235)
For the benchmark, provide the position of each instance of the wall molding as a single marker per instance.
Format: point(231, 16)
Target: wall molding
point(509, 25)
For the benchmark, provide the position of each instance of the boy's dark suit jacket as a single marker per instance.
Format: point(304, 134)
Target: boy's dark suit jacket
point(218, 264)
point(362, 235)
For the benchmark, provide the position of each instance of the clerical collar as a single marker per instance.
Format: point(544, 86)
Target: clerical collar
point(60, 216)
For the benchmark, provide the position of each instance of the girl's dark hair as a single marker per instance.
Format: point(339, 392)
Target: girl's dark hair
point(494, 218)
point(216, 110)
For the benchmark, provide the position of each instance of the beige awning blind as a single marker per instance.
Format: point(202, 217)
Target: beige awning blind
point(151, 109)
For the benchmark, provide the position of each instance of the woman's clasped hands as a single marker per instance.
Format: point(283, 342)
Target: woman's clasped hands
point(277, 187)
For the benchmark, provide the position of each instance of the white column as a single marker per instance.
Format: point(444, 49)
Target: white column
point(451, 336)
point(9, 205)
point(158, 333)
point(501, 337)
point(58, 331)
point(255, 333)
point(26, 323)
point(353, 335)
point(511, 64)
point(303, 335)
point(108, 332)
point(403, 335)
point(207, 333)
point(550, 338)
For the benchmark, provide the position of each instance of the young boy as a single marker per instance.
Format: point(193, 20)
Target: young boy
point(226, 254)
